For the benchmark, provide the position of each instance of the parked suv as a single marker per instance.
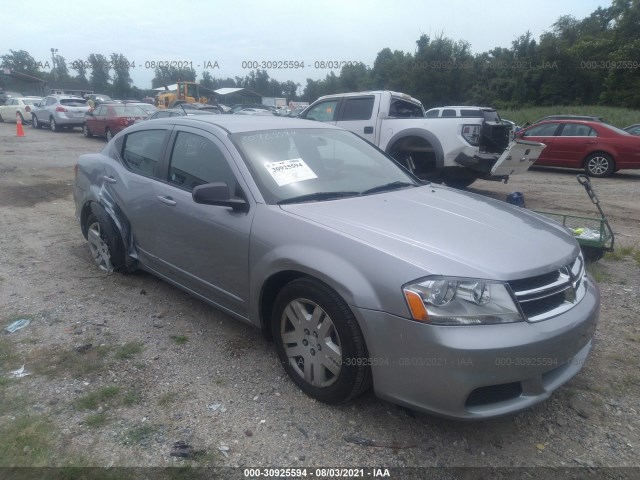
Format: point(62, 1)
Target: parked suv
point(60, 111)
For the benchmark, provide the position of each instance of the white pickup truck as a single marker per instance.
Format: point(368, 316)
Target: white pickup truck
point(456, 149)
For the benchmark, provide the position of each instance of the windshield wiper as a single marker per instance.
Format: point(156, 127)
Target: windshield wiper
point(388, 186)
point(317, 196)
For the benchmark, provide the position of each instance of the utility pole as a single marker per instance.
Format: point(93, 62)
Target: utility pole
point(53, 59)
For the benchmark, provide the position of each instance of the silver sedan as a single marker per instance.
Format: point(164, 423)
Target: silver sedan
point(441, 300)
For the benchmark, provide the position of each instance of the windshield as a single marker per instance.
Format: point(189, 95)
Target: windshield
point(317, 162)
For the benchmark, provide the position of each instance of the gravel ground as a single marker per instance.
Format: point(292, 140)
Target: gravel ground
point(123, 367)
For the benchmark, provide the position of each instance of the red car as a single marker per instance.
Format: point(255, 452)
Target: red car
point(598, 148)
point(108, 119)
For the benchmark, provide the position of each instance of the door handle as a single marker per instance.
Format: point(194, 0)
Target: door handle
point(167, 200)
point(109, 179)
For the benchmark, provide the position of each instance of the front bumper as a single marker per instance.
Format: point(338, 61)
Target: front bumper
point(477, 372)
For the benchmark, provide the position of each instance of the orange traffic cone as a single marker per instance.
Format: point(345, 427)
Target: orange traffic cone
point(19, 129)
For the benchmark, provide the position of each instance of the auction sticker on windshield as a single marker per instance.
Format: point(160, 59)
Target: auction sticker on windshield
point(290, 171)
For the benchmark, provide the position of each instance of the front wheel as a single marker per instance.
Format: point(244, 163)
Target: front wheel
point(35, 123)
point(319, 342)
point(599, 165)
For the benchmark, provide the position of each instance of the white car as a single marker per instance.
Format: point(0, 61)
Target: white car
point(18, 107)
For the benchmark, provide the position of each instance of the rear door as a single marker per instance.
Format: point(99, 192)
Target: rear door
point(359, 115)
point(573, 142)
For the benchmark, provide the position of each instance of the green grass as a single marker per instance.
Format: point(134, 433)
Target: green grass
point(633, 337)
point(620, 253)
point(91, 401)
point(96, 420)
point(620, 117)
point(52, 361)
point(129, 350)
point(8, 356)
point(167, 398)
point(131, 398)
point(27, 441)
point(140, 434)
point(180, 339)
point(636, 257)
point(597, 272)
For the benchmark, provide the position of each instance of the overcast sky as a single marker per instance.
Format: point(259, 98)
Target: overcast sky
point(231, 32)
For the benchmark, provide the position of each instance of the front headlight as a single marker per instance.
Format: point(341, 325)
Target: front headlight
point(461, 301)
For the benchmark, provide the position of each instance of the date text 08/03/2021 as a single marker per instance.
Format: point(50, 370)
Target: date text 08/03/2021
point(323, 472)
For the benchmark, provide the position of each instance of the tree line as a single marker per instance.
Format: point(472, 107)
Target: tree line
point(591, 61)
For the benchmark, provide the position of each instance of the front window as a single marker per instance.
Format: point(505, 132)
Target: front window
point(196, 160)
point(323, 112)
point(287, 164)
point(544, 130)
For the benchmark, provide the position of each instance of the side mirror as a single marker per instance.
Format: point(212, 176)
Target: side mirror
point(218, 194)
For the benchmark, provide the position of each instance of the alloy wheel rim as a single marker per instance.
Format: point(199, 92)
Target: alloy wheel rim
point(311, 343)
point(598, 165)
point(99, 248)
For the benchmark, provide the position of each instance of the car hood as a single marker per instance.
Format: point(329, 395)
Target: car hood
point(446, 231)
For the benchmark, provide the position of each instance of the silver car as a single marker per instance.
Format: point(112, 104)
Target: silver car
point(59, 111)
point(441, 300)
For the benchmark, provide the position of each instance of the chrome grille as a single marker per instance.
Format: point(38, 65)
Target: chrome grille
point(545, 296)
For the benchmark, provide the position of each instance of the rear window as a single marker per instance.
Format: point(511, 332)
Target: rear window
point(142, 150)
point(30, 101)
point(470, 113)
point(404, 109)
point(73, 102)
point(128, 111)
point(491, 116)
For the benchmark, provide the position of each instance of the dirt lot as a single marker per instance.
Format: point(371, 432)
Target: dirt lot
point(122, 367)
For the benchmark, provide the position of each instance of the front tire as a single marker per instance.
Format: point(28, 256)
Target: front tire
point(35, 123)
point(105, 243)
point(599, 165)
point(53, 125)
point(319, 342)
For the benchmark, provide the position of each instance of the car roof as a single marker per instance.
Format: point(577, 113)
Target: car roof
point(246, 123)
point(489, 109)
point(593, 118)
